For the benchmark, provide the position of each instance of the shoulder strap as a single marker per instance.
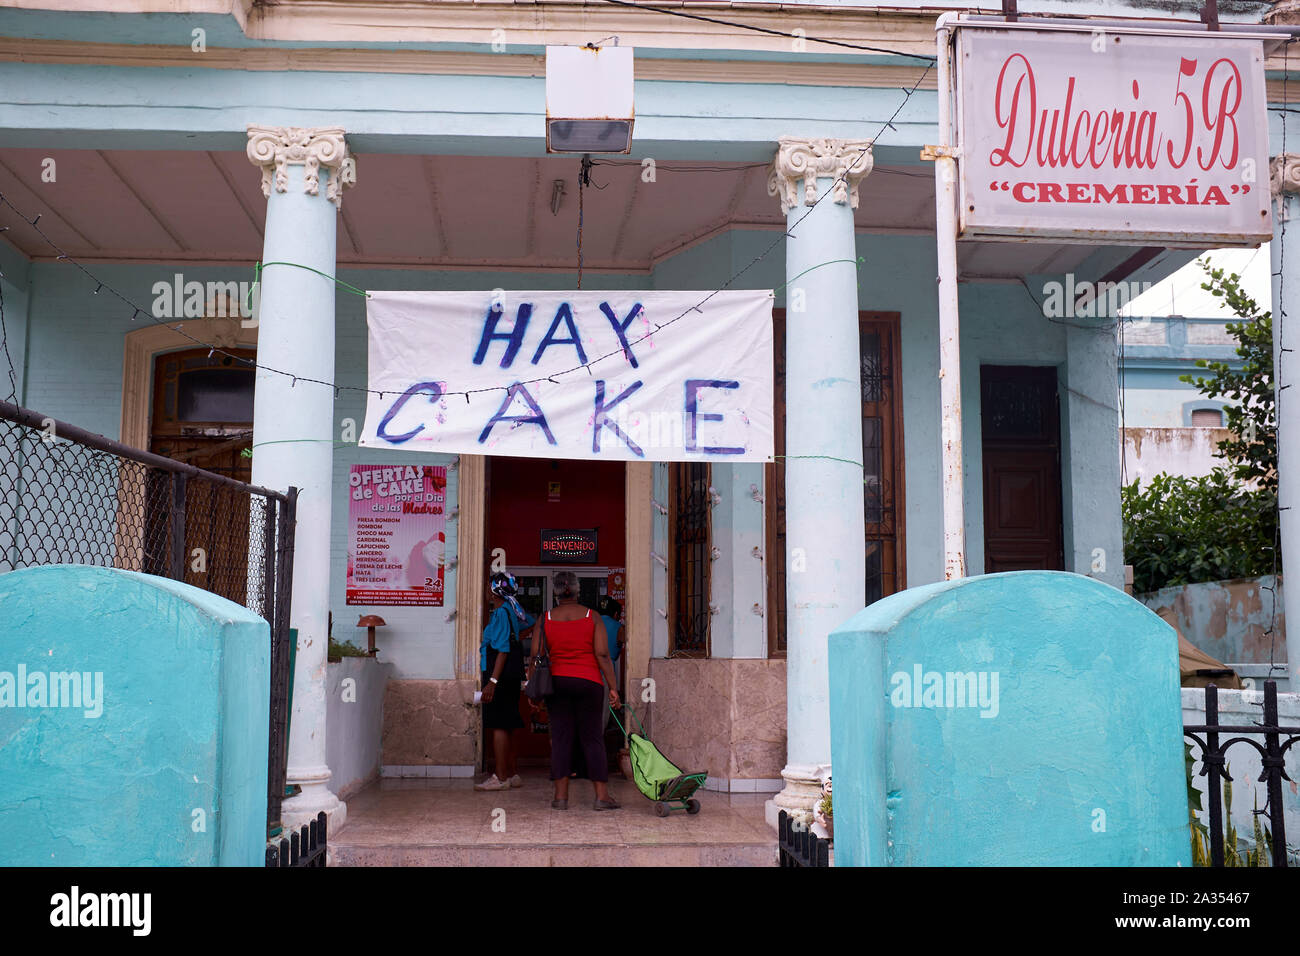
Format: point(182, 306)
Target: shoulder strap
point(540, 650)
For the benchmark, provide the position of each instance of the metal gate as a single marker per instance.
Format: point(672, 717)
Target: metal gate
point(71, 497)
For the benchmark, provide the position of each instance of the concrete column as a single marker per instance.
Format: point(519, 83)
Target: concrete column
point(293, 419)
point(825, 560)
point(1285, 181)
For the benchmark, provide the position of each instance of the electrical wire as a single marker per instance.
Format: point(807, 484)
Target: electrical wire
point(137, 311)
point(770, 32)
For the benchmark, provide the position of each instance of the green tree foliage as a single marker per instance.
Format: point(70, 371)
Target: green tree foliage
point(1186, 530)
point(1251, 416)
point(1224, 525)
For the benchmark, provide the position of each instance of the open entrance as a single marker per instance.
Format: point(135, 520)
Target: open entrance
point(546, 515)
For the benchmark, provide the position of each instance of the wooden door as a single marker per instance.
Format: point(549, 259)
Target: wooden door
point(1020, 413)
point(203, 416)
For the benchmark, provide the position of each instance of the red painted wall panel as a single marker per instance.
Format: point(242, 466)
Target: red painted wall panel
point(591, 496)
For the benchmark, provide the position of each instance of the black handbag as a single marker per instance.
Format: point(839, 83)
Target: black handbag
point(541, 684)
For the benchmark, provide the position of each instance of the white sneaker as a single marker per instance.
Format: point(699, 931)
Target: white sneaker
point(492, 783)
point(516, 781)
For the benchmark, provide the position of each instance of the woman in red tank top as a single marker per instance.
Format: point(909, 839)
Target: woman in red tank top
point(579, 651)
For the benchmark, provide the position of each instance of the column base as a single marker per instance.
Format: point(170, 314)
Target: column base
point(802, 793)
point(315, 797)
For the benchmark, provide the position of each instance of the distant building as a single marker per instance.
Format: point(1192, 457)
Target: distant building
point(1168, 424)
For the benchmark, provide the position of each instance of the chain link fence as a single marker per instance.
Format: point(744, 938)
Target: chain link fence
point(70, 497)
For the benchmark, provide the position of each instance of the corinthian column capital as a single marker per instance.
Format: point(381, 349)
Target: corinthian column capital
point(275, 148)
point(847, 161)
point(1284, 12)
point(1284, 174)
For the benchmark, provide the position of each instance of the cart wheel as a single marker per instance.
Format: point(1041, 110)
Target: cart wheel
point(662, 808)
point(692, 806)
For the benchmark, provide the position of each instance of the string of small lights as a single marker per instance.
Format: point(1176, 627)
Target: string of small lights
point(102, 285)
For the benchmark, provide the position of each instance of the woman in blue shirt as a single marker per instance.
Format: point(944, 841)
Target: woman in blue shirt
point(501, 659)
point(610, 612)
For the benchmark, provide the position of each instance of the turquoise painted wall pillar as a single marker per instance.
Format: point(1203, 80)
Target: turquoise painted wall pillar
point(1285, 181)
point(825, 560)
point(133, 722)
point(1090, 463)
point(303, 175)
point(1031, 718)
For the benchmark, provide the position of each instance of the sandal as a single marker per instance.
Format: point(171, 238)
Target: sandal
point(559, 804)
point(610, 804)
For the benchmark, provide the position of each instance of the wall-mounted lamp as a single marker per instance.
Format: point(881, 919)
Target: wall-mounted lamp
point(557, 194)
point(588, 100)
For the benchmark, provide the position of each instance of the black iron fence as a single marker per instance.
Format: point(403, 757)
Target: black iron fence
point(304, 848)
point(1277, 740)
point(70, 497)
point(797, 845)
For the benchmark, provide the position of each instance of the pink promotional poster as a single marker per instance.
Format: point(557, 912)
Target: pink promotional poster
point(397, 537)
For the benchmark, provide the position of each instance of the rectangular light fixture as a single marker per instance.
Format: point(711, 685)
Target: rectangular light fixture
point(589, 99)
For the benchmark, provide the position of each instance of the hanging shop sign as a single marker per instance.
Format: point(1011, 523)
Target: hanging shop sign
point(1107, 136)
point(569, 546)
point(397, 538)
point(621, 376)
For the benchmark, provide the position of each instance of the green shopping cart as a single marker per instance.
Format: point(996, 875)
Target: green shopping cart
point(657, 777)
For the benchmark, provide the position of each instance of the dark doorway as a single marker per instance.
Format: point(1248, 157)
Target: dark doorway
point(1021, 416)
point(525, 497)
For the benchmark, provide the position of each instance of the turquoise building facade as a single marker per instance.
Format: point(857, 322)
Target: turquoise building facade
point(135, 136)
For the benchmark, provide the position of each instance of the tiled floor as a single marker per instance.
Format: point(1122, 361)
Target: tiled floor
point(445, 822)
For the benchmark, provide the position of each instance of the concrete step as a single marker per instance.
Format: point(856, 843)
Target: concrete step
point(570, 854)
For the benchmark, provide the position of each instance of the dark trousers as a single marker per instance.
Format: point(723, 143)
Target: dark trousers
point(575, 710)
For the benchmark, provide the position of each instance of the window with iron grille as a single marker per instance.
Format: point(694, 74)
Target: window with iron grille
point(882, 469)
point(689, 571)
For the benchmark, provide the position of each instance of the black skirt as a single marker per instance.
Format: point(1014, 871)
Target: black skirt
point(502, 711)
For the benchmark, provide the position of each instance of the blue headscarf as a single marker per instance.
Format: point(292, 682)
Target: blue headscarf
point(503, 586)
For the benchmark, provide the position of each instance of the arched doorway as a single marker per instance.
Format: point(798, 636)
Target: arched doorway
point(203, 409)
point(202, 414)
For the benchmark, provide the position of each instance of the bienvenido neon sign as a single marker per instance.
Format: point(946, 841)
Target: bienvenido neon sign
point(1199, 134)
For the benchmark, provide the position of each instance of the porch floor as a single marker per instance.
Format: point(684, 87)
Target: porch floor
point(445, 822)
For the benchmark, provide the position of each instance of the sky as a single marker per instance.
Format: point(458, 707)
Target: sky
point(1181, 293)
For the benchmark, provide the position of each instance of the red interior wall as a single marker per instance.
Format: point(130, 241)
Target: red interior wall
point(591, 496)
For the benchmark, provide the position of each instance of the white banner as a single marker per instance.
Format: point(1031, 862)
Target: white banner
point(622, 376)
point(1100, 135)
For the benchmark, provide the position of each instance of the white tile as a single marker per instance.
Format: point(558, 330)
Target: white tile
point(462, 771)
point(772, 785)
point(744, 786)
point(717, 784)
point(438, 770)
point(390, 770)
